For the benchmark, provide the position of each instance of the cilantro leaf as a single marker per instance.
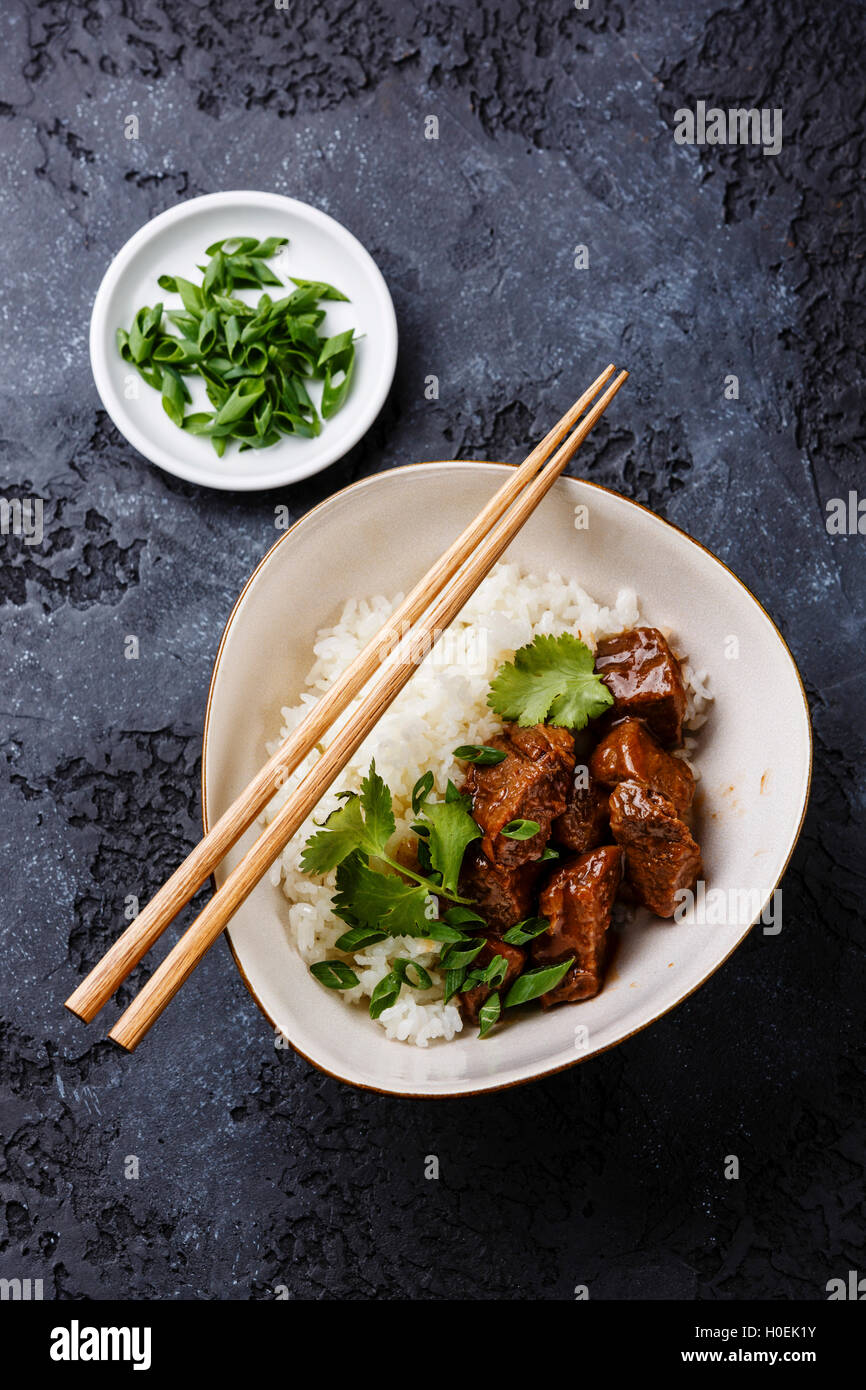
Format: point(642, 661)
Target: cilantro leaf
point(366, 898)
point(342, 834)
point(364, 823)
point(550, 680)
point(451, 830)
point(444, 834)
point(378, 814)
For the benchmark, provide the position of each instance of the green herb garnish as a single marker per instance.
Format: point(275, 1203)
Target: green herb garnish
point(378, 897)
point(493, 973)
point(359, 938)
point(462, 916)
point(488, 1014)
point(480, 753)
point(254, 360)
point(462, 953)
point(382, 902)
point(385, 994)
point(421, 790)
point(387, 991)
point(520, 829)
point(453, 924)
point(403, 968)
point(532, 983)
point(521, 932)
point(551, 680)
point(453, 980)
point(363, 826)
point(451, 830)
point(334, 974)
point(364, 822)
point(441, 931)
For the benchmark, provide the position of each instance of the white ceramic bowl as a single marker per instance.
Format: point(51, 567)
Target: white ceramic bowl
point(174, 243)
point(379, 536)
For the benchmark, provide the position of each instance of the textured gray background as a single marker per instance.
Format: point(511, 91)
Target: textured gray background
point(555, 129)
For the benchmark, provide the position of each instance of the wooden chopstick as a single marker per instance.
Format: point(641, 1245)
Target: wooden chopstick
point(96, 989)
point(146, 1008)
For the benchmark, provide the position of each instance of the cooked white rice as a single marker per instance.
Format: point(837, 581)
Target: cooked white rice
point(443, 706)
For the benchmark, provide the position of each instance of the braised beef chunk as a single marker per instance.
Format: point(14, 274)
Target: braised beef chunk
point(628, 752)
point(584, 822)
point(531, 783)
point(503, 896)
point(471, 1002)
point(661, 856)
point(577, 902)
point(644, 678)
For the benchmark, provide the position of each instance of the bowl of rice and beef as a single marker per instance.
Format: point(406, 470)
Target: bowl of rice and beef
point(572, 814)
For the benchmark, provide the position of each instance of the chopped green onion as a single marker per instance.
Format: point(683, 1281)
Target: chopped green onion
point(528, 930)
point(461, 953)
point(358, 938)
point(532, 983)
point(521, 829)
point(480, 753)
point(385, 994)
point(488, 1015)
point(402, 969)
point(253, 360)
point(334, 974)
point(421, 791)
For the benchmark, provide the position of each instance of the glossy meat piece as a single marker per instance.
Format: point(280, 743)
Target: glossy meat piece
point(628, 752)
point(503, 896)
point(531, 783)
point(584, 822)
point(644, 678)
point(661, 856)
point(577, 902)
point(472, 1001)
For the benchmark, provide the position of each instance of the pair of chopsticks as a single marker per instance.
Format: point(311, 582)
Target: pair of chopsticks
point(414, 627)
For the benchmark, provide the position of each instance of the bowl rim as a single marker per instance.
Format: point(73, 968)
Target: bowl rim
point(576, 1061)
point(99, 334)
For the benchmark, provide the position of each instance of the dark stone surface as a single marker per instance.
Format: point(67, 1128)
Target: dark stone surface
point(555, 129)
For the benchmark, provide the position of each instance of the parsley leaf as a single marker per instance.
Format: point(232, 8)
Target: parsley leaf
point(551, 680)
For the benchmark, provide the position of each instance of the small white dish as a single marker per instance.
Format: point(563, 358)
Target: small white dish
point(174, 243)
point(754, 755)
